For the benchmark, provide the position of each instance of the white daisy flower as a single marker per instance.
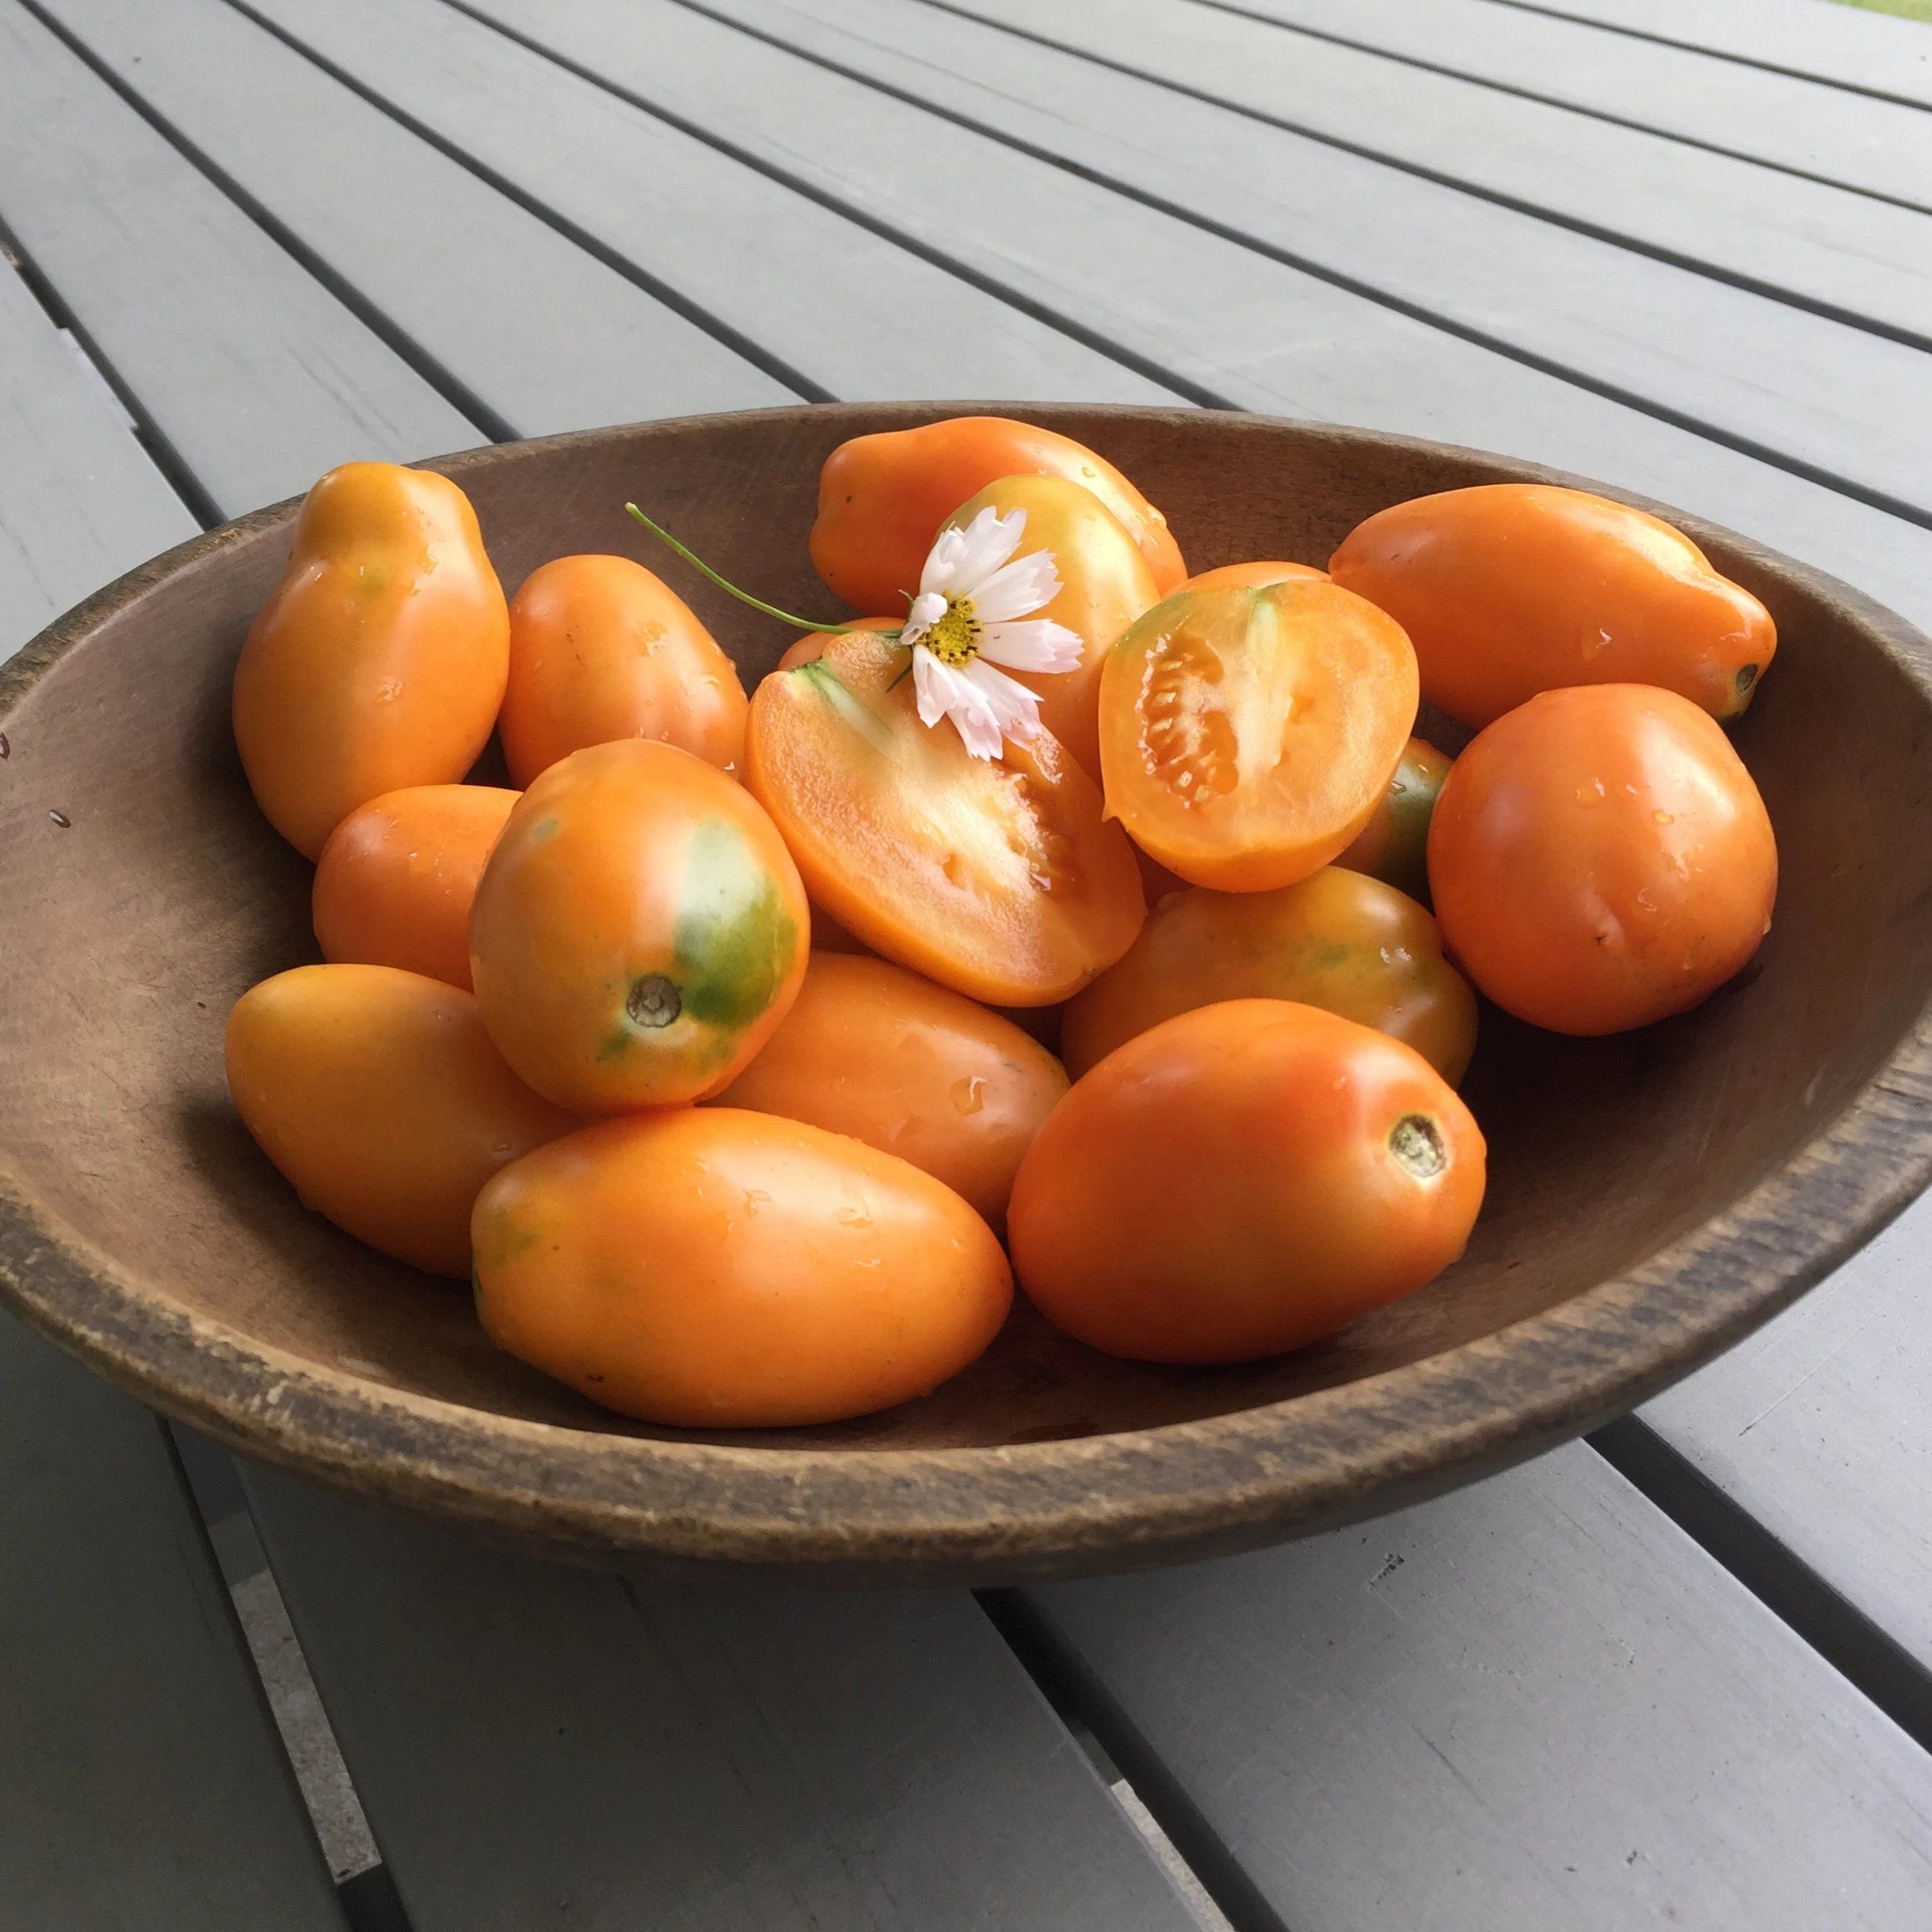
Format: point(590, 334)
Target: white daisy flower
point(967, 621)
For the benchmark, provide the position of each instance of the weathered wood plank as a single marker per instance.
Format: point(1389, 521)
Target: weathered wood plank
point(1809, 241)
point(187, 298)
point(543, 1747)
point(1532, 1703)
point(543, 335)
point(1770, 375)
point(79, 500)
point(1868, 51)
point(1818, 1426)
point(807, 283)
point(1878, 147)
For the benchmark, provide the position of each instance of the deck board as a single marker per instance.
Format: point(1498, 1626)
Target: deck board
point(187, 298)
point(773, 263)
point(541, 1746)
point(543, 335)
point(1532, 1703)
point(1807, 241)
point(1878, 147)
point(1818, 392)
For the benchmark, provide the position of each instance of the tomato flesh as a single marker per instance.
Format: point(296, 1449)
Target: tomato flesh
point(1248, 734)
point(996, 877)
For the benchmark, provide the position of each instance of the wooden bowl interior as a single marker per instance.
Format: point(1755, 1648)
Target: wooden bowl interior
point(167, 895)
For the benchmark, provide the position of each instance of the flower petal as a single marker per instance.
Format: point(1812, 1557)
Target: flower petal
point(1015, 710)
point(931, 686)
point(1038, 644)
point(1024, 585)
point(944, 692)
point(960, 558)
point(928, 608)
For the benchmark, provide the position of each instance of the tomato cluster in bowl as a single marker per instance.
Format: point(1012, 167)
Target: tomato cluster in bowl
point(718, 1049)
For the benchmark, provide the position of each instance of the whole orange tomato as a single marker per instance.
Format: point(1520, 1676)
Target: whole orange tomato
point(1241, 1180)
point(1510, 588)
point(1249, 576)
point(638, 931)
point(1105, 584)
point(1600, 858)
point(380, 660)
point(873, 1051)
point(996, 877)
point(1394, 844)
point(601, 648)
point(711, 1268)
point(882, 497)
point(1337, 939)
point(394, 883)
point(378, 1094)
point(1247, 736)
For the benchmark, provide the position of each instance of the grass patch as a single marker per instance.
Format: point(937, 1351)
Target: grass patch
point(1905, 9)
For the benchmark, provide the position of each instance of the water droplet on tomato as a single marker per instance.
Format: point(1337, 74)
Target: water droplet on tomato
point(968, 1094)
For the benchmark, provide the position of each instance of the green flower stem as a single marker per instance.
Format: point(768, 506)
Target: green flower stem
point(744, 596)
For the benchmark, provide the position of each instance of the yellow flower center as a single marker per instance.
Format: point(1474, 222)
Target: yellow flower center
point(954, 639)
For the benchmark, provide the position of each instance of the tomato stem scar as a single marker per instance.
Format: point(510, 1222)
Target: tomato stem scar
point(1416, 1141)
point(654, 1000)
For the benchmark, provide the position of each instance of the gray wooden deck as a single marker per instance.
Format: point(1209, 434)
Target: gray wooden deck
point(1680, 1675)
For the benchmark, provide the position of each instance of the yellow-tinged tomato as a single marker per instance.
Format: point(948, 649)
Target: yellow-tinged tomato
point(873, 1051)
point(1337, 939)
point(995, 877)
point(1602, 858)
point(1243, 1179)
point(712, 1268)
point(380, 660)
point(1394, 844)
point(882, 497)
point(1247, 736)
point(639, 930)
point(601, 649)
point(394, 883)
point(1250, 576)
point(1510, 588)
point(1105, 583)
point(379, 1094)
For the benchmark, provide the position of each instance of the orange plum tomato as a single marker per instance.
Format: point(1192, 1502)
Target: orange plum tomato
point(1602, 858)
point(1105, 584)
point(712, 1268)
point(639, 930)
point(378, 660)
point(1247, 736)
point(1243, 1179)
point(394, 883)
point(807, 646)
point(1394, 844)
point(871, 1050)
point(379, 1094)
point(1337, 939)
point(882, 497)
point(1249, 576)
point(601, 649)
point(995, 877)
point(1506, 589)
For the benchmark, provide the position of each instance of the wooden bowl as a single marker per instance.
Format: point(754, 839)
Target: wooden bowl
point(1652, 1197)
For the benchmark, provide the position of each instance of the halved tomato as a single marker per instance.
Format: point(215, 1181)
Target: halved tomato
point(996, 877)
point(1248, 735)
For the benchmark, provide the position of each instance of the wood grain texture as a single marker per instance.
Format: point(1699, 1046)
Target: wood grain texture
point(1878, 147)
point(853, 311)
point(545, 335)
point(1806, 240)
point(546, 1747)
point(1811, 390)
point(258, 377)
point(1534, 1703)
point(79, 500)
point(143, 1228)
